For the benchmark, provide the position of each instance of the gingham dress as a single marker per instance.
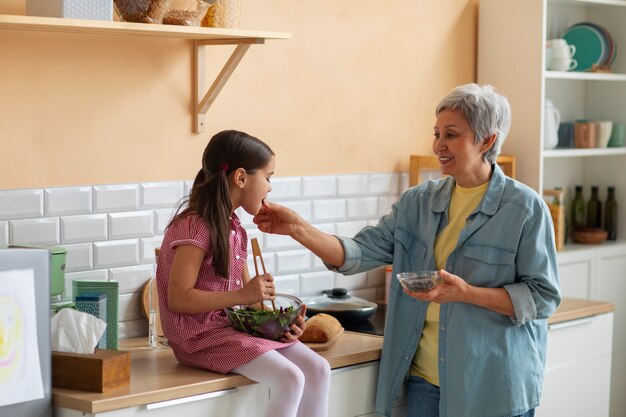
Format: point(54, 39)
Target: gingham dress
point(206, 340)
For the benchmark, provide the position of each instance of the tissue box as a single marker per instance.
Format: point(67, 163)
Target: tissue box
point(100, 371)
point(108, 288)
point(73, 9)
point(96, 305)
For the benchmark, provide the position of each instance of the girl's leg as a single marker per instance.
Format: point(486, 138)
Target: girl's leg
point(422, 398)
point(283, 377)
point(316, 372)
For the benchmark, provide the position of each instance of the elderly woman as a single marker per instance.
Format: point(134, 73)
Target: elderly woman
point(475, 345)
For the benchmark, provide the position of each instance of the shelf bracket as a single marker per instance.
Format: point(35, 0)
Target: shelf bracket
point(203, 98)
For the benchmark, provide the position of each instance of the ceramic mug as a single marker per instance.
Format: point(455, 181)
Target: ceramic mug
point(563, 64)
point(604, 133)
point(564, 51)
point(585, 134)
point(618, 136)
point(566, 135)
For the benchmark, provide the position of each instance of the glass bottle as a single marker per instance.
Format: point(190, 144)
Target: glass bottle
point(610, 215)
point(578, 208)
point(594, 209)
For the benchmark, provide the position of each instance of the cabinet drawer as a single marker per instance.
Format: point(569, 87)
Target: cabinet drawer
point(579, 390)
point(579, 340)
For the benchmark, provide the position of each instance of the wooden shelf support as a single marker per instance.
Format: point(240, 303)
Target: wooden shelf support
point(203, 98)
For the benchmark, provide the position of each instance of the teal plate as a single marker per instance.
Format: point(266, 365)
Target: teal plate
point(590, 46)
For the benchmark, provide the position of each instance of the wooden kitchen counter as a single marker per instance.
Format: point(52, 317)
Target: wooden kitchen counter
point(156, 375)
point(574, 308)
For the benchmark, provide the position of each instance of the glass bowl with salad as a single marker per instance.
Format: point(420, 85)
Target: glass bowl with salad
point(262, 320)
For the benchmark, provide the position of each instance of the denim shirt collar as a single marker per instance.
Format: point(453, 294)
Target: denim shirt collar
point(490, 203)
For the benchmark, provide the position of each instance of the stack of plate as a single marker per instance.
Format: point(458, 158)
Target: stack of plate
point(594, 45)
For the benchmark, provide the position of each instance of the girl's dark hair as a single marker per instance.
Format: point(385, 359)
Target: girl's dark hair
point(209, 197)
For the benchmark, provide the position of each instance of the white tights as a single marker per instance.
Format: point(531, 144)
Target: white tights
point(298, 378)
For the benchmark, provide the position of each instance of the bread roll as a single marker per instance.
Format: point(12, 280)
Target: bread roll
point(320, 328)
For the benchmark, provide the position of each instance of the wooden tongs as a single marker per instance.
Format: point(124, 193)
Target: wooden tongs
point(256, 252)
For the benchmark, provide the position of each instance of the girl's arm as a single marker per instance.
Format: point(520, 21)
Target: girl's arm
point(182, 297)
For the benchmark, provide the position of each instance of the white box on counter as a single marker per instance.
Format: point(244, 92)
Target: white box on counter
point(73, 9)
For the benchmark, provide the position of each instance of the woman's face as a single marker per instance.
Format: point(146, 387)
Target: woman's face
point(256, 187)
point(459, 155)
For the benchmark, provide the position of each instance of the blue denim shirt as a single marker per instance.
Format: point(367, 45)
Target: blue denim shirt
point(490, 365)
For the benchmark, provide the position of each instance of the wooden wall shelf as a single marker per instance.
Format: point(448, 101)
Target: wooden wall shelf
point(200, 36)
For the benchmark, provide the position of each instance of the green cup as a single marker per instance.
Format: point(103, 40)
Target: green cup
point(618, 136)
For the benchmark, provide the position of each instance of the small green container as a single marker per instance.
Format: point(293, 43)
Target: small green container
point(111, 290)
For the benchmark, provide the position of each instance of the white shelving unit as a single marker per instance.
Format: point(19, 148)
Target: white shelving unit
point(511, 56)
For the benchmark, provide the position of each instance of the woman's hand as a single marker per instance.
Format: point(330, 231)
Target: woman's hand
point(258, 289)
point(453, 288)
point(273, 218)
point(297, 328)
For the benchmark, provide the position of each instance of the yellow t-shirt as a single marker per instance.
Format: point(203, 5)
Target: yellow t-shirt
point(462, 204)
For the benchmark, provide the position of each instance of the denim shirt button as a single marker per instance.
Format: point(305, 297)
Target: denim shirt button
point(443, 328)
point(441, 359)
point(406, 358)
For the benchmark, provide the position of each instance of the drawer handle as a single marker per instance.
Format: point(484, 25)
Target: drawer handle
point(191, 398)
point(571, 323)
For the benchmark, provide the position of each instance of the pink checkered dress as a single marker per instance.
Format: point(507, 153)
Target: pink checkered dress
point(206, 340)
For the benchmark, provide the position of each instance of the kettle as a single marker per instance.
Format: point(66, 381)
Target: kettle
point(551, 121)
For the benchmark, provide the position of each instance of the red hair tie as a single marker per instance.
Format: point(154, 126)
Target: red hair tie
point(223, 167)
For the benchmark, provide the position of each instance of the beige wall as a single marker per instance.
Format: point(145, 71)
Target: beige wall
point(353, 91)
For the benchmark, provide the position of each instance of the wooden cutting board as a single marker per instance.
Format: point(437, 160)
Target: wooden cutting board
point(328, 344)
point(145, 304)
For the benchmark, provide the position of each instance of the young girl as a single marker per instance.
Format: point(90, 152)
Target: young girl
point(202, 269)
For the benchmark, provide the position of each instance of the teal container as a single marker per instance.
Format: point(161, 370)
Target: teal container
point(111, 290)
point(96, 305)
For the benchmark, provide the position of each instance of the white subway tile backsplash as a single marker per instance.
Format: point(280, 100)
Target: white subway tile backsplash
point(132, 278)
point(404, 182)
point(123, 197)
point(161, 194)
point(303, 208)
point(131, 224)
point(93, 275)
point(362, 208)
point(319, 186)
point(350, 185)
point(44, 231)
point(280, 242)
point(384, 184)
point(285, 188)
point(162, 218)
point(328, 210)
point(134, 217)
point(21, 204)
point(4, 233)
point(288, 284)
point(116, 253)
point(288, 262)
point(66, 201)
point(385, 203)
point(351, 282)
point(146, 248)
point(86, 228)
point(244, 217)
point(129, 307)
point(79, 257)
point(350, 229)
point(316, 282)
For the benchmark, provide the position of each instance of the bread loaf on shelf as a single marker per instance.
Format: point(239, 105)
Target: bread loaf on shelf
point(320, 328)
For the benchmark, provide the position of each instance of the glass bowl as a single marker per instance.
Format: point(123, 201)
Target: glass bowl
point(186, 12)
point(422, 281)
point(141, 11)
point(266, 323)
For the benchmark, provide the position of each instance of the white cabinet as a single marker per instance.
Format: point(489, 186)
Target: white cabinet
point(243, 401)
point(578, 368)
point(353, 392)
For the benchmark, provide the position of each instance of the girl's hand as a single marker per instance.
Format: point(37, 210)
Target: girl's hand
point(453, 288)
point(297, 328)
point(258, 289)
point(273, 218)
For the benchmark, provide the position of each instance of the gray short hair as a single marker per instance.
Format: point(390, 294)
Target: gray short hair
point(486, 111)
